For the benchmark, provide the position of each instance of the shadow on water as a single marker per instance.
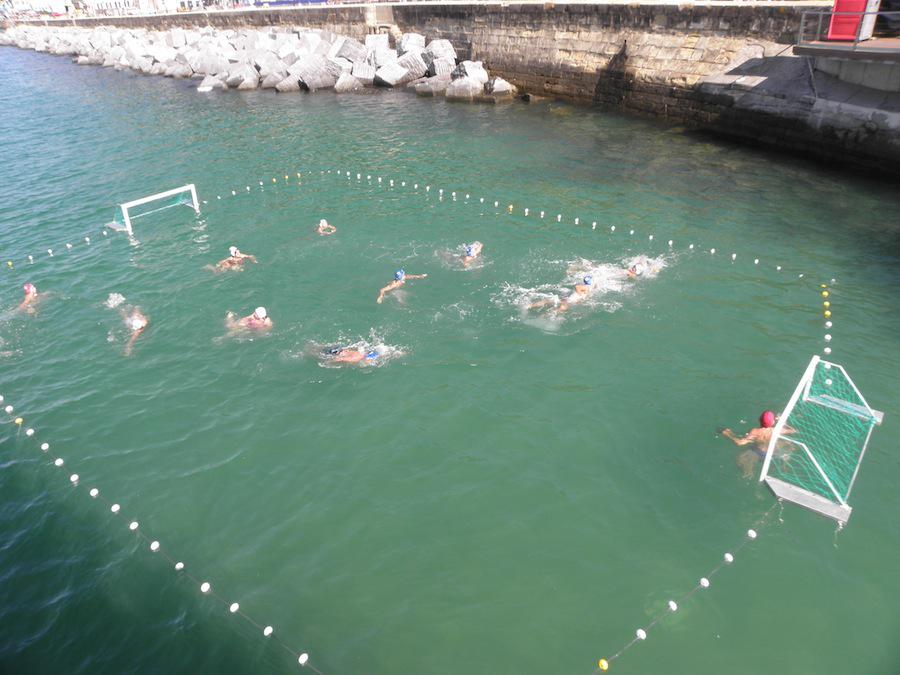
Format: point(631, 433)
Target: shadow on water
point(97, 576)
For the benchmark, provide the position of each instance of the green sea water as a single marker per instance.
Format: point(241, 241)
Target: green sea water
point(507, 492)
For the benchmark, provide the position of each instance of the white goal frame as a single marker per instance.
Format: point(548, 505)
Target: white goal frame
point(127, 217)
point(839, 509)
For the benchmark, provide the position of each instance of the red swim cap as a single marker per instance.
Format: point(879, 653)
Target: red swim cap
point(767, 419)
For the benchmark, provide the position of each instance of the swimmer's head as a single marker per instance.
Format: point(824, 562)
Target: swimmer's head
point(323, 222)
point(29, 289)
point(767, 419)
point(233, 251)
point(372, 355)
point(470, 250)
point(334, 351)
point(588, 280)
point(260, 313)
point(137, 322)
point(637, 269)
point(399, 275)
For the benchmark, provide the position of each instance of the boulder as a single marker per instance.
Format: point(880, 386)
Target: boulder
point(158, 69)
point(250, 82)
point(346, 82)
point(211, 82)
point(364, 73)
point(411, 42)
point(464, 88)
point(391, 75)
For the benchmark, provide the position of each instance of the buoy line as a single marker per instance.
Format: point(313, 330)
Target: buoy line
point(154, 546)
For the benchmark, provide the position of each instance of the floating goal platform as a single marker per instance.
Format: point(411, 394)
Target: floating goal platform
point(819, 441)
point(186, 195)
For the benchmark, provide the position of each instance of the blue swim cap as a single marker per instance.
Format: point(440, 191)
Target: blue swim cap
point(588, 280)
point(372, 355)
point(469, 250)
point(399, 274)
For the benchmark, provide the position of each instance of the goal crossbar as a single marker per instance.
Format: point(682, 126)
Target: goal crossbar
point(126, 208)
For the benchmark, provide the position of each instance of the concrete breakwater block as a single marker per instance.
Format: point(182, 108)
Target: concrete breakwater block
point(472, 69)
point(464, 88)
point(364, 73)
point(211, 82)
point(441, 49)
point(346, 83)
point(391, 75)
point(316, 72)
point(284, 59)
point(433, 86)
point(411, 42)
point(413, 64)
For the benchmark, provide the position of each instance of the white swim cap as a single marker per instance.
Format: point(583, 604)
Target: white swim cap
point(260, 313)
point(323, 222)
point(137, 322)
point(233, 251)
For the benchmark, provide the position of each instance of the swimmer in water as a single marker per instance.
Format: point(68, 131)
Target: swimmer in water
point(471, 252)
point(31, 296)
point(352, 356)
point(259, 320)
point(325, 227)
point(235, 260)
point(579, 293)
point(400, 278)
point(636, 270)
point(136, 322)
point(759, 438)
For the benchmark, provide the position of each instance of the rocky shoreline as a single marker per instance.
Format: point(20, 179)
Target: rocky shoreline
point(281, 59)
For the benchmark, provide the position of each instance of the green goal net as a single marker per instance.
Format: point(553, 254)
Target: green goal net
point(819, 441)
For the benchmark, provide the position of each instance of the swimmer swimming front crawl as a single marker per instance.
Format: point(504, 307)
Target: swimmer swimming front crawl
point(579, 293)
point(325, 227)
point(400, 278)
point(471, 252)
point(347, 355)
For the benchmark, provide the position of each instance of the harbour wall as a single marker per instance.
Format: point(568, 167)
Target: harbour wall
point(724, 67)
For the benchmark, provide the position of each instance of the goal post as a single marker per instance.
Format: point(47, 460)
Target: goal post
point(186, 195)
point(819, 441)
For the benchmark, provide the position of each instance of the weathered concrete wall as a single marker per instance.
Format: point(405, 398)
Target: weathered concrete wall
point(724, 67)
point(347, 20)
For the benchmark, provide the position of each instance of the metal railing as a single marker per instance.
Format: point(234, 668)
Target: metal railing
point(816, 26)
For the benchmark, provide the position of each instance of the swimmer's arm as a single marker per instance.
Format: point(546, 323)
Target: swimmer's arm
point(251, 258)
point(416, 276)
point(788, 430)
point(738, 440)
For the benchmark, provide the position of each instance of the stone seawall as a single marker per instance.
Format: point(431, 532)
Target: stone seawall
point(717, 66)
